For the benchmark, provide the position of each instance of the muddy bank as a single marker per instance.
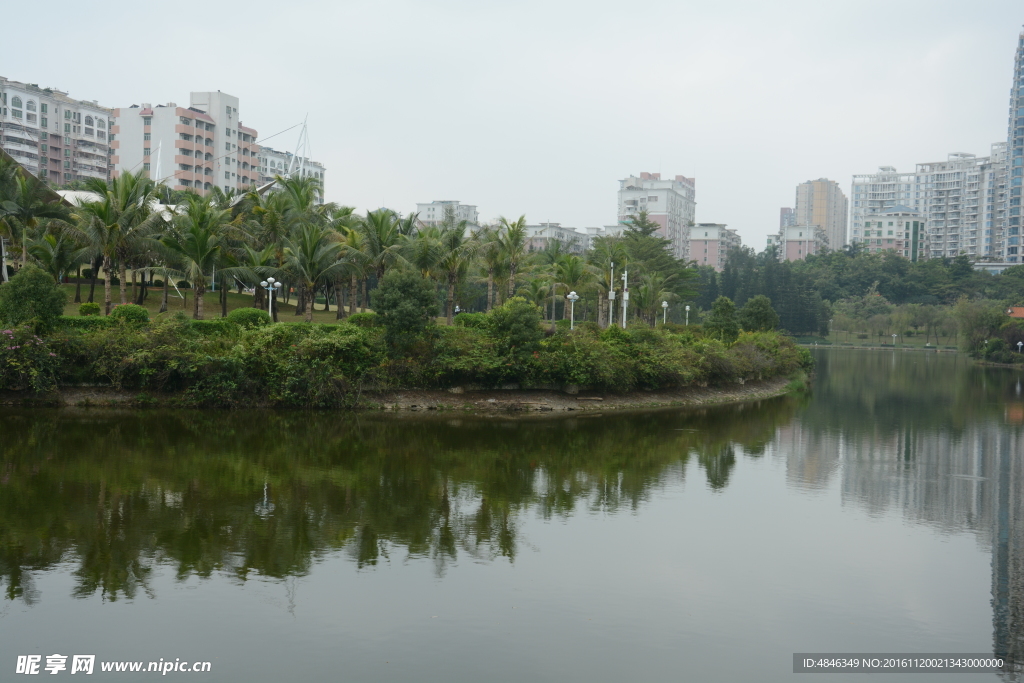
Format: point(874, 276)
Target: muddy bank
point(496, 401)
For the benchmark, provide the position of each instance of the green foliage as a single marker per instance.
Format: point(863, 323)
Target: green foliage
point(721, 322)
point(217, 327)
point(88, 322)
point(757, 315)
point(249, 317)
point(26, 361)
point(32, 297)
point(130, 313)
point(515, 327)
point(89, 308)
point(475, 320)
point(364, 319)
point(406, 302)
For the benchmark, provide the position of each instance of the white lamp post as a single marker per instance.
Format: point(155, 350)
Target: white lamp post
point(664, 312)
point(573, 297)
point(271, 285)
point(894, 339)
point(611, 294)
point(687, 315)
point(1019, 345)
point(625, 296)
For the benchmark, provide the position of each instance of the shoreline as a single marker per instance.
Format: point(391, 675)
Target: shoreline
point(484, 401)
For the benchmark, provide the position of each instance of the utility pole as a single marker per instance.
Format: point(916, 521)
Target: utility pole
point(625, 296)
point(611, 296)
point(3, 259)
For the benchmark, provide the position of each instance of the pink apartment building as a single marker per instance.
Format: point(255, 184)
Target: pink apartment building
point(196, 147)
point(710, 244)
point(796, 242)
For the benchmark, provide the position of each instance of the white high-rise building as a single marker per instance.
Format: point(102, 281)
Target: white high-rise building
point(53, 136)
point(962, 201)
point(669, 203)
point(195, 147)
point(434, 212)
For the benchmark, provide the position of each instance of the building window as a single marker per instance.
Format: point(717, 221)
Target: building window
point(67, 127)
point(42, 108)
point(16, 113)
point(16, 102)
point(147, 120)
point(145, 167)
point(145, 151)
point(43, 122)
point(100, 123)
point(147, 136)
point(67, 114)
point(227, 175)
point(88, 121)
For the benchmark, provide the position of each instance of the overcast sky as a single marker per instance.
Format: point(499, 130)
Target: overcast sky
point(539, 108)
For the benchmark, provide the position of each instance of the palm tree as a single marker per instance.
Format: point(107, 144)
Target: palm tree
point(58, 253)
point(456, 255)
point(381, 241)
point(573, 275)
point(357, 265)
point(311, 257)
point(513, 247)
point(117, 222)
point(490, 255)
point(653, 289)
point(25, 200)
point(197, 239)
point(536, 291)
point(605, 252)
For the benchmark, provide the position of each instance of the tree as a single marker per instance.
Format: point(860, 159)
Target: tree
point(116, 223)
point(457, 251)
point(406, 301)
point(33, 297)
point(515, 326)
point(642, 226)
point(196, 239)
point(311, 258)
point(512, 241)
point(757, 315)
point(25, 200)
point(721, 321)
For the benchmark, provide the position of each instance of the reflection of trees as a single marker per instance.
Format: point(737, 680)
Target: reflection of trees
point(118, 492)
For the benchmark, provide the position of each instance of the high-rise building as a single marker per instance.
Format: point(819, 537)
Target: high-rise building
point(54, 136)
point(669, 203)
point(435, 212)
point(821, 202)
point(195, 147)
point(710, 244)
point(787, 217)
point(962, 201)
point(538, 237)
point(1015, 160)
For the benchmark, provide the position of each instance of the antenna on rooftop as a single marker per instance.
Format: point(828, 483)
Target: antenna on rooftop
point(298, 164)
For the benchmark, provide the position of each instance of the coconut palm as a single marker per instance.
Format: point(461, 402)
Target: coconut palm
point(573, 275)
point(491, 259)
point(457, 251)
point(197, 239)
point(57, 253)
point(513, 247)
point(311, 257)
point(382, 241)
point(26, 201)
point(605, 252)
point(117, 222)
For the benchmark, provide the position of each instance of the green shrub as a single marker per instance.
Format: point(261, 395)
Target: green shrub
point(722, 322)
point(364, 319)
point(474, 320)
point(249, 317)
point(183, 284)
point(89, 308)
point(406, 302)
point(515, 327)
point(32, 297)
point(217, 327)
point(158, 283)
point(26, 361)
point(130, 313)
point(84, 322)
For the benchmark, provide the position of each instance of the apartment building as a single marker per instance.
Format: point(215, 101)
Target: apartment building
point(670, 203)
point(434, 212)
point(710, 244)
point(899, 229)
point(797, 242)
point(273, 163)
point(821, 202)
point(787, 217)
point(962, 200)
point(52, 135)
point(538, 237)
point(196, 147)
point(1015, 159)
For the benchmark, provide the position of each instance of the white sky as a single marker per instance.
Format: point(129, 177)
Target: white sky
point(540, 107)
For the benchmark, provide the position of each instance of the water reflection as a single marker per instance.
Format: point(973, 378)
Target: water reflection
point(117, 493)
point(114, 495)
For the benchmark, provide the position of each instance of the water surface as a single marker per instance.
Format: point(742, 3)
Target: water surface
point(882, 512)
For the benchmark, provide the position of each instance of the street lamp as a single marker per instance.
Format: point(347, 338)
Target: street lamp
point(1019, 345)
point(687, 314)
point(271, 285)
point(894, 339)
point(664, 312)
point(573, 297)
point(625, 296)
point(457, 310)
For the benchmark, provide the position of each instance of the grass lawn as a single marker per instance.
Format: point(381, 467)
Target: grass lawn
point(916, 341)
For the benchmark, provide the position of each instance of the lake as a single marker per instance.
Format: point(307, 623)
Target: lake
point(880, 512)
